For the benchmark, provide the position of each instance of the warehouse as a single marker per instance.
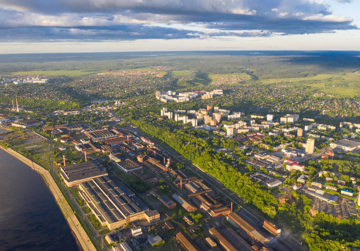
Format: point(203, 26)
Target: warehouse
point(186, 205)
point(73, 175)
point(114, 206)
point(346, 145)
point(26, 123)
point(217, 234)
point(99, 135)
point(170, 204)
point(126, 165)
point(239, 222)
point(237, 240)
point(186, 242)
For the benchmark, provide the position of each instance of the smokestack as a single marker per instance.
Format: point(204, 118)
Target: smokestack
point(64, 160)
point(231, 209)
point(85, 157)
point(17, 106)
point(180, 184)
point(13, 105)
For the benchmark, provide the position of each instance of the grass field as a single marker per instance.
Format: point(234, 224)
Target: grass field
point(181, 73)
point(338, 92)
point(140, 69)
point(56, 73)
point(341, 85)
point(229, 78)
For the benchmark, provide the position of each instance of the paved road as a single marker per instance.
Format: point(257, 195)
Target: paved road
point(68, 193)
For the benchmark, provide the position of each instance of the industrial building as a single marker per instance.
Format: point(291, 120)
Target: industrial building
point(186, 242)
point(123, 246)
point(100, 135)
point(186, 205)
point(114, 205)
point(73, 175)
point(26, 123)
point(170, 204)
point(126, 165)
point(238, 222)
point(345, 145)
point(229, 239)
point(217, 234)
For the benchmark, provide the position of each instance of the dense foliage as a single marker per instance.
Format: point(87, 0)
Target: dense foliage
point(203, 156)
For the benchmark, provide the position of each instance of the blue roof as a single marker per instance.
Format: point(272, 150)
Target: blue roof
point(334, 198)
point(347, 190)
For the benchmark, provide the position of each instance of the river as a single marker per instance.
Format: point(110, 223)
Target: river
point(30, 218)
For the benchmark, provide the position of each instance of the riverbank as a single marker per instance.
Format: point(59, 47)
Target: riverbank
point(76, 228)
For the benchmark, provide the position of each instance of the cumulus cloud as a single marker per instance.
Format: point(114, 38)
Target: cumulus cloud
point(345, 1)
point(140, 19)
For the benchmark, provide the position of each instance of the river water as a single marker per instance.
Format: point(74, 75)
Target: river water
point(30, 218)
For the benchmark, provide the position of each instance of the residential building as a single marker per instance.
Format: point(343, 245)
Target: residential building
point(310, 146)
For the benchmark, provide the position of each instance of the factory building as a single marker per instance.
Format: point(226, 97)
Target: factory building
point(238, 222)
point(73, 175)
point(186, 242)
point(26, 123)
point(114, 205)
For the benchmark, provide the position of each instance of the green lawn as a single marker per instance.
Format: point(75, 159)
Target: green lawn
point(94, 221)
point(105, 231)
point(86, 210)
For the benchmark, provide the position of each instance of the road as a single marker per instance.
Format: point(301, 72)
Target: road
point(69, 195)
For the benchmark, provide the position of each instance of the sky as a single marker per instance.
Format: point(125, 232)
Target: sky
point(56, 26)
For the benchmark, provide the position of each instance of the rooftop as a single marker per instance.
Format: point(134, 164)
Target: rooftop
point(83, 171)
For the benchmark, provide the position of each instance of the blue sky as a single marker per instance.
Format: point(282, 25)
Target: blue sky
point(42, 26)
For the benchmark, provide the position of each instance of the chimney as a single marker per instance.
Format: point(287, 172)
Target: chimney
point(231, 209)
point(180, 184)
point(17, 106)
point(85, 157)
point(64, 160)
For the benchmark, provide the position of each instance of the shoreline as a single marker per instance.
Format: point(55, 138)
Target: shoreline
point(77, 230)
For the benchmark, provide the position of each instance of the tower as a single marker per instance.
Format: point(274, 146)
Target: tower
point(17, 106)
point(310, 146)
point(64, 160)
point(300, 132)
point(13, 105)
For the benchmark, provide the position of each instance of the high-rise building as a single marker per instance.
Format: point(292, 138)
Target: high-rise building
point(217, 117)
point(230, 131)
point(300, 132)
point(310, 146)
point(207, 119)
